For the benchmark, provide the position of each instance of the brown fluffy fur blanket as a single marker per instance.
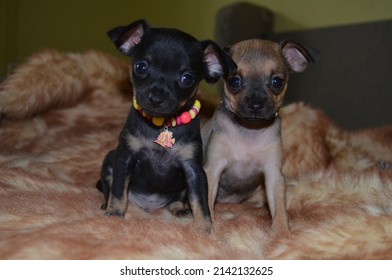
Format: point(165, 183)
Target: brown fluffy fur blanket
point(61, 113)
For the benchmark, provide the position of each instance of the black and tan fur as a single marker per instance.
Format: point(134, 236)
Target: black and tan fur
point(167, 66)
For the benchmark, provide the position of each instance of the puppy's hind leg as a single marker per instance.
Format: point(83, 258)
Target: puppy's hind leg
point(179, 206)
point(123, 164)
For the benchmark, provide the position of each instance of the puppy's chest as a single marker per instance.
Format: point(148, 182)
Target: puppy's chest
point(157, 175)
point(241, 145)
point(246, 150)
point(155, 159)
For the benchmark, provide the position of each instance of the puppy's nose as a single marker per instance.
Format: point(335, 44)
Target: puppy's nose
point(255, 107)
point(155, 100)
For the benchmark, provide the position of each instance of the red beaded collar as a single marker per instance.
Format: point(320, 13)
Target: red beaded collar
point(165, 139)
point(184, 118)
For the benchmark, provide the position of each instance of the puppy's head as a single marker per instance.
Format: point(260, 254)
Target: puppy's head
point(255, 90)
point(168, 65)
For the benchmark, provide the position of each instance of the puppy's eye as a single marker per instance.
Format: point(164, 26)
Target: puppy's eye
point(187, 80)
point(277, 82)
point(141, 68)
point(234, 83)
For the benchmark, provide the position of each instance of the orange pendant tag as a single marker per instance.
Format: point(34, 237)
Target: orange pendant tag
point(165, 139)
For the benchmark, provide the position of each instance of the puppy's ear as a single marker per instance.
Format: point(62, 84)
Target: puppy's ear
point(127, 37)
point(297, 56)
point(217, 62)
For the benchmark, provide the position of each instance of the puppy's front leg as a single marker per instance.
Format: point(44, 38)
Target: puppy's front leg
point(276, 194)
point(197, 194)
point(118, 197)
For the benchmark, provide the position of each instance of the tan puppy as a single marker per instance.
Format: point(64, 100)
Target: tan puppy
point(242, 143)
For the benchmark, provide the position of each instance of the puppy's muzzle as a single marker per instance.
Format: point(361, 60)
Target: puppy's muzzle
point(258, 108)
point(157, 101)
point(255, 107)
point(156, 98)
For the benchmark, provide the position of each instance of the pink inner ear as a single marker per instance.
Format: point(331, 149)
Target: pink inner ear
point(136, 36)
point(213, 64)
point(132, 38)
point(296, 60)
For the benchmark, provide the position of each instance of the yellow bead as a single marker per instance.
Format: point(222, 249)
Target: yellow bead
point(158, 121)
point(135, 104)
point(173, 122)
point(197, 104)
point(192, 113)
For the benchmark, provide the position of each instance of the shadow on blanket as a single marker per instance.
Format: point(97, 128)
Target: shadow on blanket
point(61, 113)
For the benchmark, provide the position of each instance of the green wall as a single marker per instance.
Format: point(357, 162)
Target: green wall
point(27, 26)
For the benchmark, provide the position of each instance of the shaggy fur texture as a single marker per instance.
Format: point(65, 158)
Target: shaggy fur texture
point(61, 113)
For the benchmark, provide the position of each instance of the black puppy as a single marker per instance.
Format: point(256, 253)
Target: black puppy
point(158, 160)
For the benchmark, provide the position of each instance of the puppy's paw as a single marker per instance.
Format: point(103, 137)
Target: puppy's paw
point(114, 213)
point(207, 228)
point(203, 226)
point(180, 209)
point(229, 215)
point(183, 213)
point(281, 228)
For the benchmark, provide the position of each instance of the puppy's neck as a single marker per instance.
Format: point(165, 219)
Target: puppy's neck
point(182, 119)
point(249, 124)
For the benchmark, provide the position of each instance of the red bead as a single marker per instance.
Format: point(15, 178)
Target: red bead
point(185, 118)
point(178, 120)
point(168, 122)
